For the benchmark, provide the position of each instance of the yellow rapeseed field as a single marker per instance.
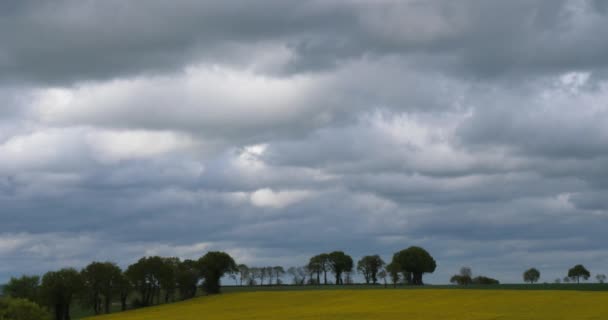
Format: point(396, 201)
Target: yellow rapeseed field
point(383, 304)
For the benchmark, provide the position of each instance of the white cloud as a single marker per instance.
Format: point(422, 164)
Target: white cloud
point(278, 199)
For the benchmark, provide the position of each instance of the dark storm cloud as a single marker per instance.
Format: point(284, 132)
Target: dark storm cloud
point(68, 41)
point(282, 129)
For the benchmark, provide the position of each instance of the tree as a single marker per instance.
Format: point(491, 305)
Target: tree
point(298, 275)
point(531, 275)
point(577, 272)
point(144, 275)
point(25, 287)
point(212, 267)
point(464, 278)
point(123, 287)
point(340, 263)
point(485, 281)
point(414, 262)
point(315, 266)
point(187, 279)
point(59, 289)
point(99, 280)
point(243, 271)
point(21, 309)
point(601, 278)
point(393, 270)
point(168, 276)
point(383, 275)
point(278, 273)
point(369, 266)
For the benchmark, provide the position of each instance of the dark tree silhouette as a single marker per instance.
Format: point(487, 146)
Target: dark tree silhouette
point(212, 267)
point(340, 263)
point(59, 288)
point(25, 287)
point(369, 266)
point(577, 272)
point(187, 278)
point(531, 275)
point(414, 262)
point(99, 279)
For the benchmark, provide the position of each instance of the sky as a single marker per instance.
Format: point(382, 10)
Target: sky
point(279, 129)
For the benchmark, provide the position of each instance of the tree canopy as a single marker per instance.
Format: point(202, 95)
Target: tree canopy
point(577, 272)
point(414, 262)
point(212, 267)
point(339, 263)
point(531, 275)
point(369, 266)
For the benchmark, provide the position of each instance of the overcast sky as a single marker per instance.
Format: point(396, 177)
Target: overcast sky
point(278, 130)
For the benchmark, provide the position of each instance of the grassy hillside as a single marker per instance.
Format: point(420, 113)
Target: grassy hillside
point(383, 304)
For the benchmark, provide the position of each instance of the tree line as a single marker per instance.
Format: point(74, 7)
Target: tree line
point(155, 280)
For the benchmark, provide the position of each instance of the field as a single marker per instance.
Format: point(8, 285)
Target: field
point(383, 304)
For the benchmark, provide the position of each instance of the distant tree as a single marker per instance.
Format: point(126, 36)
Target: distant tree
point(187, 279)
point(369, 266)
point(298, 275)
point(21, 309)
point(464, 278)
point(25, 287)
point(601, 278)
point(481, 280)
point(145, 276)
point(393, 270)
point(243, 272)
point(213, 266)
point(382, 274)
point(566, 280)
point(315, 266)
point(100, 280)
point(168, 277)
point(326, 266)
point(557, 281)
point(123, 287)
point(278, 273)
point(531, 275)
point(59, 288)
point(340, 263)
point(255, 273)
point(414, 262)
point(577, 272)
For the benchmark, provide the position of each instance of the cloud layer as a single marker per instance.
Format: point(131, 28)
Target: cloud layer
point(476, 129)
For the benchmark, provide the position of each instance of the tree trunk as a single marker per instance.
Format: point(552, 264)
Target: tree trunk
point(107, 304)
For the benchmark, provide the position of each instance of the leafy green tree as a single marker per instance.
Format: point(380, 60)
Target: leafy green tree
point(577, 272)
point(21, 309)
point(393, 270)
point(100, 280)
point(481, 280)
point(340, 263)
point(315, 266)
point(123, 287)
point(531, 275)
point(59, 288)
point(464, 278)
point(213, 266)
point(414, 262)
point(369, 266)
point(187, 279)
point(145, 276)
point(25, 287)
point(601, 278)
point(168, 277)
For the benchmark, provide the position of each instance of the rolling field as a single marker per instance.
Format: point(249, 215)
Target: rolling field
point(383, 304)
